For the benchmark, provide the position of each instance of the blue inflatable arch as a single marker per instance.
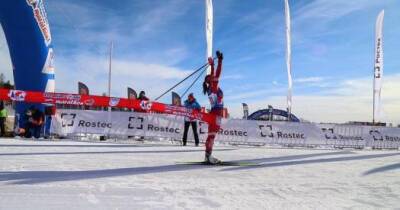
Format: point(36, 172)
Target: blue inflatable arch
point(264, 114)
point(28, 36)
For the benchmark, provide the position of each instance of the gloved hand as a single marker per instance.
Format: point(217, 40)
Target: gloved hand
point(211, 61)
point(220, 56)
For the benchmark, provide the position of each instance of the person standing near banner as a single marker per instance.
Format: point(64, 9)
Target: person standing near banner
point(191, 103)
point(142, 96)
point(3, 119)
point(215, 95)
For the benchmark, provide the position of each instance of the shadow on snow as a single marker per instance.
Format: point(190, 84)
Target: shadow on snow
point(37, 177)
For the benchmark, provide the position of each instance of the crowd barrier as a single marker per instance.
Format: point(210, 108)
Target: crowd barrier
point(233, 131)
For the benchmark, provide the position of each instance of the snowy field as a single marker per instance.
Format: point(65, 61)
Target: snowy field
point(82, 175)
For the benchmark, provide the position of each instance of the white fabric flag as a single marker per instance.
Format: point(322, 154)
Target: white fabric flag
point(378, 68)
point(209, 30)
point(288, 56)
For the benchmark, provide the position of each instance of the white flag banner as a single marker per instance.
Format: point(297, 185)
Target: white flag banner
point(378, 68)
point(209, 30)
point(288, 55)
point(234, 131)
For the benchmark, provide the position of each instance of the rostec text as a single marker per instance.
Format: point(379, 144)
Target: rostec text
point(83, 123)
point(232, 132)
point(392, 138)
point(290, 135)
point(151, 127)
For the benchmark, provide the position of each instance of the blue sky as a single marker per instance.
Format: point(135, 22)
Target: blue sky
point(159, 42)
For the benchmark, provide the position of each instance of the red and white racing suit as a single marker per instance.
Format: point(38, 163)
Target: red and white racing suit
point(215, 96)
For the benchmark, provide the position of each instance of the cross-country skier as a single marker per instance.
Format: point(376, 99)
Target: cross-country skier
point(215, 95)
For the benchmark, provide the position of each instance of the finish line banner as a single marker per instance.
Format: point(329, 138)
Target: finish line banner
point(232, 130)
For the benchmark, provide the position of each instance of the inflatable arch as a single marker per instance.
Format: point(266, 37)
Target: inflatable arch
point(28, 36)
point(264, 114)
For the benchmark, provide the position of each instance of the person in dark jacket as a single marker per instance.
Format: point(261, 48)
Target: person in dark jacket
point(35, 121)
point(191, 103)
point(142, 96)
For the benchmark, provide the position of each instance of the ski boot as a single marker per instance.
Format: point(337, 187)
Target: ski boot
point(209, 159)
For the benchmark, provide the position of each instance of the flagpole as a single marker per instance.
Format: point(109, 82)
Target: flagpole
point(109, 86)
point(109, 69)
point(288, 58)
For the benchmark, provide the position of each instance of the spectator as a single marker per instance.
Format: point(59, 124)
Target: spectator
point(34, 124)
point(142, 96)
point(191, 103)
point(3, 119)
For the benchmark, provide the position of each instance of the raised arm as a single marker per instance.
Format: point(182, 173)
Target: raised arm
point(211, 63)
point(220, 57)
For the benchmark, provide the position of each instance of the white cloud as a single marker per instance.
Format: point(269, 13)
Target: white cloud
point(309, 79)
point(93, 71)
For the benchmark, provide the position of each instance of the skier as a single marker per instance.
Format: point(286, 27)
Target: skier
point(215, 95)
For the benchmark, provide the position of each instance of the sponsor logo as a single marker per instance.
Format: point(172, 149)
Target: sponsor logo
point(330, 135)
point(224, 132)
point(89, 102)
point(155, 128)
point(182, 111)
point(114, 101)
point(267, 131)
point(146, 105)
point(376, 135)
point(67, 119)
point(62, 98)
point(137, 123)
point(378, 58)
point(41, 18)
point(17, 95)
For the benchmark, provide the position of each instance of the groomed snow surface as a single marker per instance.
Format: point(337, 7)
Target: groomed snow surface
point(84, 175)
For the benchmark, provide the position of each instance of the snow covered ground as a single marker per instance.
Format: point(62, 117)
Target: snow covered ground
point(83, 175)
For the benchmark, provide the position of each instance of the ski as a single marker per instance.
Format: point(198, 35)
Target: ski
point(222, 163)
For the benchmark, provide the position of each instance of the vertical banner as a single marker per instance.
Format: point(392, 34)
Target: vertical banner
point(288, 58)
point(209, 30)
point(82, 89)
point(132, 93)
point(378, 67)
point(176, 99)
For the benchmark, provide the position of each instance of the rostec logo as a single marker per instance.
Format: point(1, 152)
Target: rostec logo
point(146, 105)
point(114, 101)
point(41, 19)
point(67, 120)
point(17, 95)
point(329, 134)
point(377, 72)
point(376, 135)
point(266, 131)
point(135, 123)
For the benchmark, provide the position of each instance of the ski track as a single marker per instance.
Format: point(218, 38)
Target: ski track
point(83, 175)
